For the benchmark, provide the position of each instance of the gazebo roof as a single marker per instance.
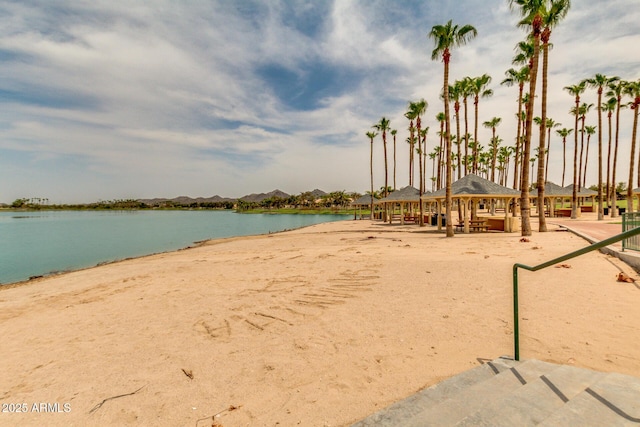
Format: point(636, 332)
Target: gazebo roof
point(406, 194)
point(552, 190)
point(636, 190)
point(582, 191)
point(473, 185)
point(363, 200)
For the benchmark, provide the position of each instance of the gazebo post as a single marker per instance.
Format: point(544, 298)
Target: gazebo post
point(401, 213)
point(465, 209)
point(438, 217)
point(507, 220)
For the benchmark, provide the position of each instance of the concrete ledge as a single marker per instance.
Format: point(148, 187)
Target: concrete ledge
point(630, 258)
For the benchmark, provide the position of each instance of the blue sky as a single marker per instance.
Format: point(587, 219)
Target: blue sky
point(140, 99)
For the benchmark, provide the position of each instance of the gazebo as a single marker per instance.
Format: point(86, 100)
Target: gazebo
point(360, 202)
point(406, 196)
point(471, 189)
point(551, 193)
point(584, 193)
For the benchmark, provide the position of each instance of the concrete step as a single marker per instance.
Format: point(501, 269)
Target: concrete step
point(535, 401)
point(473, 398)
point(614, 400)
point(404, 410)
point(508, 393)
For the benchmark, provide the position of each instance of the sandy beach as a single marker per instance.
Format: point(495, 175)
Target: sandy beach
point(320, 326)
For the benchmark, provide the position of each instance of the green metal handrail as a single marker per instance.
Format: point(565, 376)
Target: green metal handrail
point(593, 247)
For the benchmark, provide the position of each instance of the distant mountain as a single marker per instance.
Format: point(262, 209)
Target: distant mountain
point(257, 198)
point(185, 200)
point(318, 193)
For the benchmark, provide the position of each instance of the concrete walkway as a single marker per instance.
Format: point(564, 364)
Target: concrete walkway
point(589, 228)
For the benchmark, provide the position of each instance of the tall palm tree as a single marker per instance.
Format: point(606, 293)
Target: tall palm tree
point(576, 91)
point(550, 125)
point(590, 131)
point(552, 13)
point(455, 92)
point(440, 119)
point(423, 133)
point(564, 133)
point(465, 91)
point(371, 136)
point(479, 90)
point(417, 109)
point(411, 116)
point(447, 37)
point(582, 110)
point(599, 81)
point(616, 91)
point(519, 77)
point(383, 126)
point(632, 89)
point(532, 13)
point(493, 124)
point(609, 107)
point(394, 132)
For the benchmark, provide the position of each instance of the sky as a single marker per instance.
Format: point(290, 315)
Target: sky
point(103, 100)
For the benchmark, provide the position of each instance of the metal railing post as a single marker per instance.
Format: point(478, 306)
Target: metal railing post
point(593, 247)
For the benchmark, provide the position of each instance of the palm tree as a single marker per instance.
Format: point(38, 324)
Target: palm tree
point(394, 133)
point(493, 124)
point(446, 37)
point(599, 81)
point(419, 108)
point(479, 89)
point(632, 89)
point(615, 91)
point(371, 135)
point(383, 126)
point(411, 115)
point(564, 133)
point(550, 125)
point(582, 110)
point(440, 119)
point(532, 13)
point(465, 91)
point(575, 90)
point(455, 92)
point(609, 107)
point(590, 130)
point(521, 76)
point(423, 133)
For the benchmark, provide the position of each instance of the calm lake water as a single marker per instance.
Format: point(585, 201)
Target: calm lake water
point(38, 243)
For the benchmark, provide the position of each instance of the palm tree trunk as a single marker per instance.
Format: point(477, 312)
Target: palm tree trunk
point(371, 164)
point(608, 187)
point(542, 222)
point(564, 157)
point(448, 198)
point(614, 196)
point(586, 162)
point(583, 118)
point(631, 162)
point(466, 137)
point(394, 161)
point(600, 213)
point(525, 208)
point(574, 195)
point(516, 175)
point(475, 138)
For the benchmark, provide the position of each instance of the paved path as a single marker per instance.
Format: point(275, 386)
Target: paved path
point(588, 225)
